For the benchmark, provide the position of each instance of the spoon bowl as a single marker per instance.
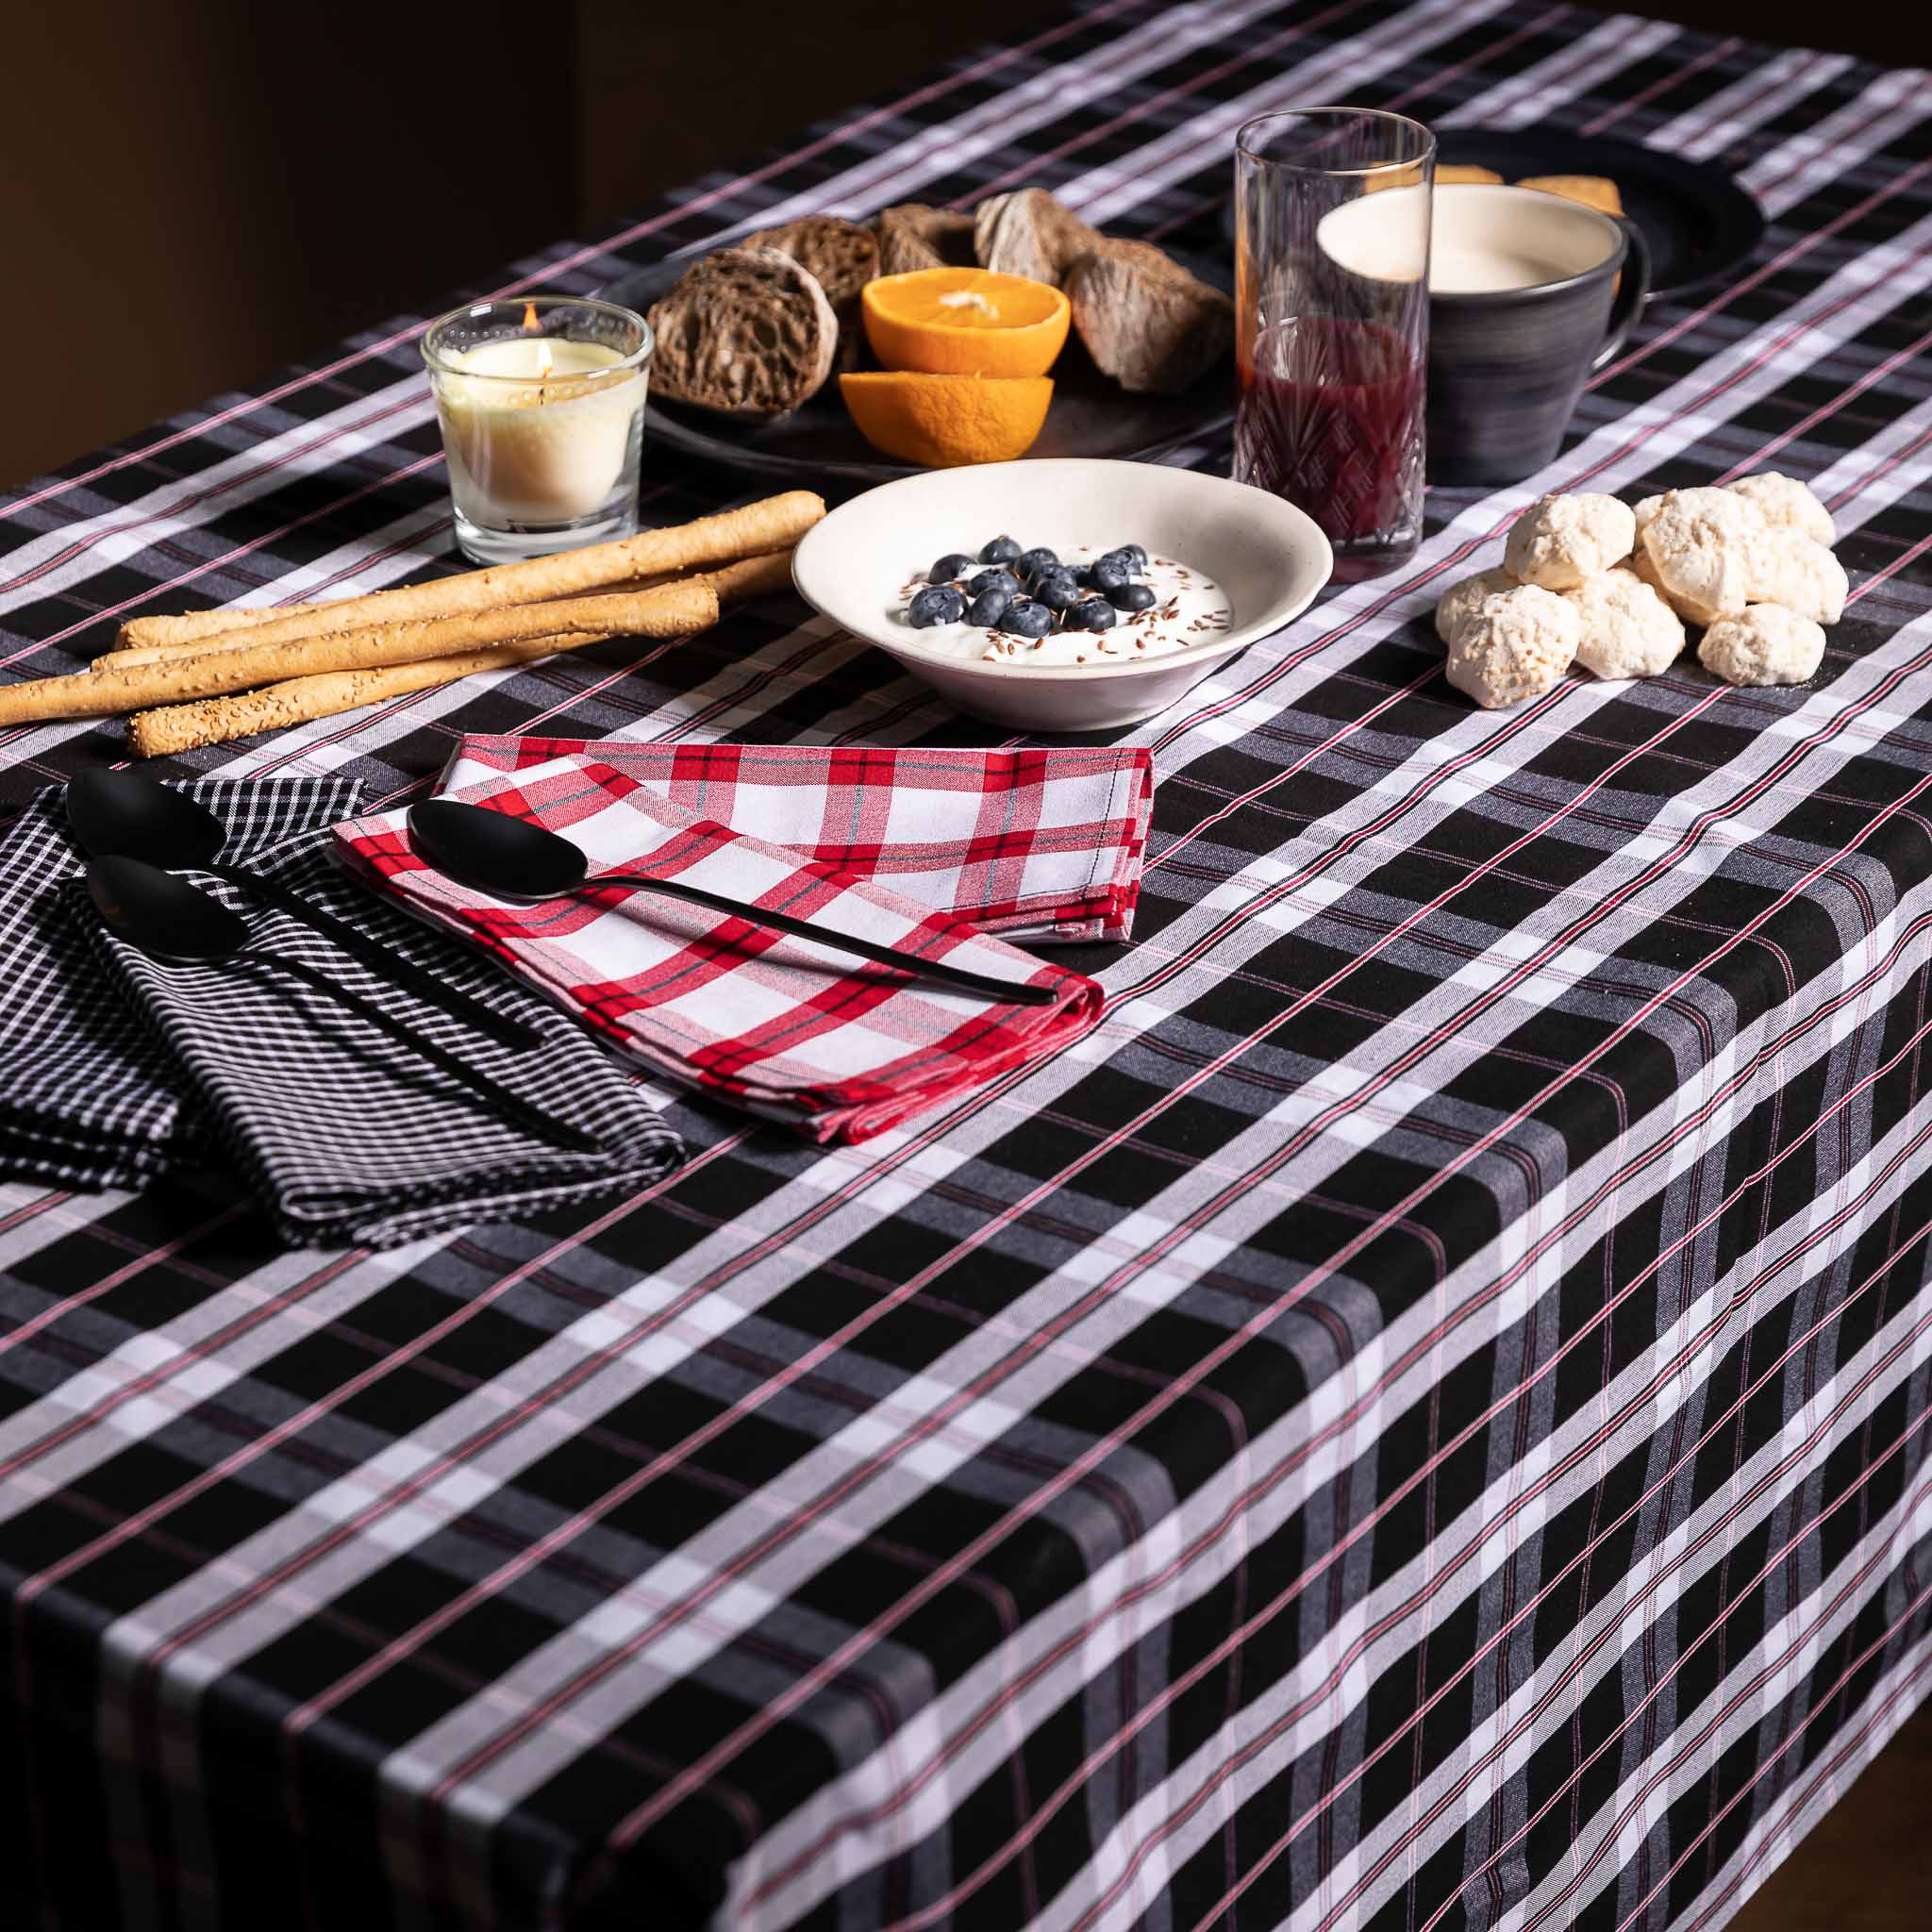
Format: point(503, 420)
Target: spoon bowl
point(133, 816)
point(491, 852)
point(166, 916)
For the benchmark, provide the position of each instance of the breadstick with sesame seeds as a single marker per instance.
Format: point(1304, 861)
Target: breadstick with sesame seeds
point(186, 727)
point(670, 611)
point(754, 529)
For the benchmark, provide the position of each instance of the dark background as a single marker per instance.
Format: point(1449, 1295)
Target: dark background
point(200, 190)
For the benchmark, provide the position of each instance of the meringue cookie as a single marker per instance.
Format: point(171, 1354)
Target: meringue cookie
point(1799, 575)
point(1704, 546)
point(1517, 645)
point(1786, 504)
point(1768, 644)
point(1628, 630)
point(1561, 541)
point(1640, 567)
point(1458, 604)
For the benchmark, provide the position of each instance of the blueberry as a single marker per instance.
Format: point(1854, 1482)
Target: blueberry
point(1110, 573)
point(1090, 613)
point(1026, 619)
point(1083, 575)
point(1037, 563)
point(1132, 555)
point(993, 580)
point(1131, 597)
point(936, 604)
point(953, 564)
point(1001, 549)
point(1056, 591)
point(989, 607)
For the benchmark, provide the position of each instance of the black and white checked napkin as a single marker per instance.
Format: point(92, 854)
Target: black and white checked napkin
point(88, 1096)
point(342, 1134)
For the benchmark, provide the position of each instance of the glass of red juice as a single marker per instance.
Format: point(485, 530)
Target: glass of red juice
point(1332, 305)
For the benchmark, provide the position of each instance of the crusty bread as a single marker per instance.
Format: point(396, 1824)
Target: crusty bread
point(1592, 190)
point(914, 236)
point(841, 254)
point(746, 330)
point(843, 257)
point(1145, 321)
point(1028, 233)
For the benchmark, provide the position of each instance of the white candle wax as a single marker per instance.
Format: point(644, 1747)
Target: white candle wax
point(546, 449)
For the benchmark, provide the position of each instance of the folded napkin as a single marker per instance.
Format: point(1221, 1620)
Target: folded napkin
point(88, 1096)
point(1044, 844)
point(834, 1047)
point(345, 1135)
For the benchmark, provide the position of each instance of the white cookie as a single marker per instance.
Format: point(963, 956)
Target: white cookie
point(1459, 602)
point(1768, 644)
point(1704, 547)
point(1647, 506)
point(1628, 630)
point(1561, 541)
point(1799, 575)
point(1640, 566)
point(1517, 645)
point(1788, 505)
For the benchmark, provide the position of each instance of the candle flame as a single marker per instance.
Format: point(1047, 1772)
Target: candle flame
point(546, 360)
point(530, 323)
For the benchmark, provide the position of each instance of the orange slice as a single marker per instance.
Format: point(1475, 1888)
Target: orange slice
point(965, 321)
point(944, 421)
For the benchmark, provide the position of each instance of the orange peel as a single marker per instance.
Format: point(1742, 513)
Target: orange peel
point(943, 422)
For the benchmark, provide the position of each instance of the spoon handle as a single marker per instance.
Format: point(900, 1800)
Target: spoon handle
point(500, 1027)
point(1014, 992)
point(499, 1099)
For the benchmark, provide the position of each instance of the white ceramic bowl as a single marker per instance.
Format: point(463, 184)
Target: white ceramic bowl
point(1266, 556)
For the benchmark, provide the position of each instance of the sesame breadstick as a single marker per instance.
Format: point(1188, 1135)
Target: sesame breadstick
point(753, 530)
point(670, 611)
point(239, 637)
point(194, 627)
point(185, 727)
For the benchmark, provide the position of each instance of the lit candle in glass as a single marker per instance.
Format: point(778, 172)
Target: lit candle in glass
point(541, 406)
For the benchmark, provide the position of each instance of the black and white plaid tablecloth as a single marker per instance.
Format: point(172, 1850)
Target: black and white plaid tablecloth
point(1420, 1420)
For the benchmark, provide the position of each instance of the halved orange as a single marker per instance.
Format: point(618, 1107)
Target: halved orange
point(965, 321)
point(947, 421)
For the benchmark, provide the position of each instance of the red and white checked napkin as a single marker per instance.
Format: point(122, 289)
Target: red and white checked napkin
point(837, 1048)
point(1046, 844)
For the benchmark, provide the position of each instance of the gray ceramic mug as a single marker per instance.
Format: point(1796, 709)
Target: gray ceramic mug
point(1526, 303)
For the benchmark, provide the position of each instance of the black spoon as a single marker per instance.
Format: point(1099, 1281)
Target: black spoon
point(173, 921)
point(511, 858)
point(129, 815)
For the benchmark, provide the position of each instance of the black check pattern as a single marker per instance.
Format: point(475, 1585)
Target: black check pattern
point(93, 1098)
point(131, 1070)
point(1420, 1420)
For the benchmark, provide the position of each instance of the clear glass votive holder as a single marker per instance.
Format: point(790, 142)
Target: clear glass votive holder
point(1333, 208)
point(542, 403)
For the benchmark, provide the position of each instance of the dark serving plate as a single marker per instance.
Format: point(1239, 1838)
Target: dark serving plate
point(1092, 415)
point(1700, 224)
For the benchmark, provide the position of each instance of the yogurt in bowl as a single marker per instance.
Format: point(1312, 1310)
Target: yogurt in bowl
point(1182, 608)
point(1228, 564)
